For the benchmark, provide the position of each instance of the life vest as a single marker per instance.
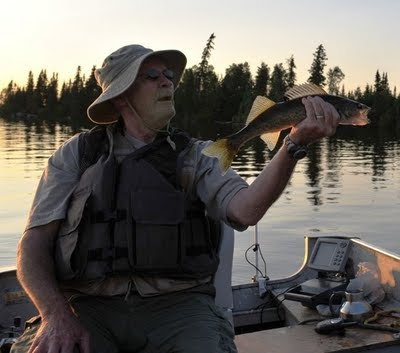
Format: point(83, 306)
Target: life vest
point(134, 216)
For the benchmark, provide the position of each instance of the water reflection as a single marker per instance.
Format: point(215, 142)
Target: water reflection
point(364, 154)
point(348, 184)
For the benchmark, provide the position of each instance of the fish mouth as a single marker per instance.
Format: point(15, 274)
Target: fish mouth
point(359, 118)
point(363, 117)
point(366, 110)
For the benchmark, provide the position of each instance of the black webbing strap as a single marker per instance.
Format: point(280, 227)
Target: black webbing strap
point(93, 143)
point(101, 254)
point(108, 216)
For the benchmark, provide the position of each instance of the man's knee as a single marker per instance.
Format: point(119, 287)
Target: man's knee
point(24, 342)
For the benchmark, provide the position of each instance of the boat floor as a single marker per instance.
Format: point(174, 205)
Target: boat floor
point(303, 338)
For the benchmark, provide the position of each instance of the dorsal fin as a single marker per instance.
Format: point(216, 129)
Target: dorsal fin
point(306, 89)
point(260, 105)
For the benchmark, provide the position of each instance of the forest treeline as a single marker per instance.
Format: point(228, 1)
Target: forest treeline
point(203, 96)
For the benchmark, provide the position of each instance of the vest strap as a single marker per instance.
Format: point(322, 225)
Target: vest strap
point(197, 250)
point(108, 216)
point(101, 254)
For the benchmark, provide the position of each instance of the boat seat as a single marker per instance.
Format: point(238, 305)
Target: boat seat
point(223, 276)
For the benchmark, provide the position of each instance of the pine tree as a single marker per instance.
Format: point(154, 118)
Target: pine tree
point(198, 91)
point(278, 83)
point(65, 101)
point(261, 81)
point(207, 85)
point(77, 84)
point(203, 66)
point(186, 100)
point(378, 83)
point(335, 77)
point(385, 84)
point(358, 94)
point(52, 95)
point(209, 92)
point(2, 98)
point(382, 102)
point(30, 85)
point(40, 92)
point(291, 74)
point(19, 100)
point(30, 106)
point(236, 92)
point(317, 67)
point(77, 103)
point(8, 98)
point(367, 96)
point(91, 89)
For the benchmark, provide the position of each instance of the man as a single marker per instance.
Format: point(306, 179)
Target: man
point(118, 255)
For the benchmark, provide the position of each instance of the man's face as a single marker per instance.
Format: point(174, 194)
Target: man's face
point(152, 94)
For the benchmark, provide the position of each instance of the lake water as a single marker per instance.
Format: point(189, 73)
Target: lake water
point(348, 185)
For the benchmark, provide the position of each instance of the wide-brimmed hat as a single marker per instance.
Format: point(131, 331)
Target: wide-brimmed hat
point(119, 72)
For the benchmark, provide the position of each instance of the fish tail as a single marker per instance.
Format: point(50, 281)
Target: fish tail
point(224, 150)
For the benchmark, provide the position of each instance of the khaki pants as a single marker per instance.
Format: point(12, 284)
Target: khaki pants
point(173, 323)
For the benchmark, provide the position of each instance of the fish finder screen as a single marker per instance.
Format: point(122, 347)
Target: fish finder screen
point(324, 254)
point(330, 255)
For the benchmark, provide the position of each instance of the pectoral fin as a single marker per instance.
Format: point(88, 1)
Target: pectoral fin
point(224, 151)
point(260, 105)
point(271, 139)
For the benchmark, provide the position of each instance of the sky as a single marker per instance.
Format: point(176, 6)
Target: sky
point(360, 36)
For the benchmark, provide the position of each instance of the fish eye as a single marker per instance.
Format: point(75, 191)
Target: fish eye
point(359, 106)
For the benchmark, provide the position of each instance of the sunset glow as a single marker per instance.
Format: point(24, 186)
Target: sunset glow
point(359, 36)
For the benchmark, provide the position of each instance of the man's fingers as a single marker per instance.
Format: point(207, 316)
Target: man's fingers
point(318, 105)
point(323, 111)
point(55, 348)
point(84, 345)
point(329, 116)
point(315, 108)
point(334, 120)
point(310, 113)
point(61, 345)
point(32, 349)
point(335, 115)
point(41, 347)
point(67, 347)
point(34, 346)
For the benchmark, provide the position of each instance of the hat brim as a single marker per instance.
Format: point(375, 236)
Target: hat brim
point(102, 111)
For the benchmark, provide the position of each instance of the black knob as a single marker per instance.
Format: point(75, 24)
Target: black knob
point(17, 321)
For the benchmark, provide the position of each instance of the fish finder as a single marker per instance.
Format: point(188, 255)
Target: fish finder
point(330, 254)
point(328, 257)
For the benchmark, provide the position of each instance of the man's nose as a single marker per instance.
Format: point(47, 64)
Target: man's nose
point(165, 82)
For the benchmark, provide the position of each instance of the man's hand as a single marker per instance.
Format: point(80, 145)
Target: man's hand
point(322, 120)
point(61, 335)
point(60, 329)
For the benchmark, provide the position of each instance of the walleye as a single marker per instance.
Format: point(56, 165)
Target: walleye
point(267, 119)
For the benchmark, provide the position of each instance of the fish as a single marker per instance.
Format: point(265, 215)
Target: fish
point(267, 119)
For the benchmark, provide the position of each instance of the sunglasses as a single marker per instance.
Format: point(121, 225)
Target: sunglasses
point(155, 74)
